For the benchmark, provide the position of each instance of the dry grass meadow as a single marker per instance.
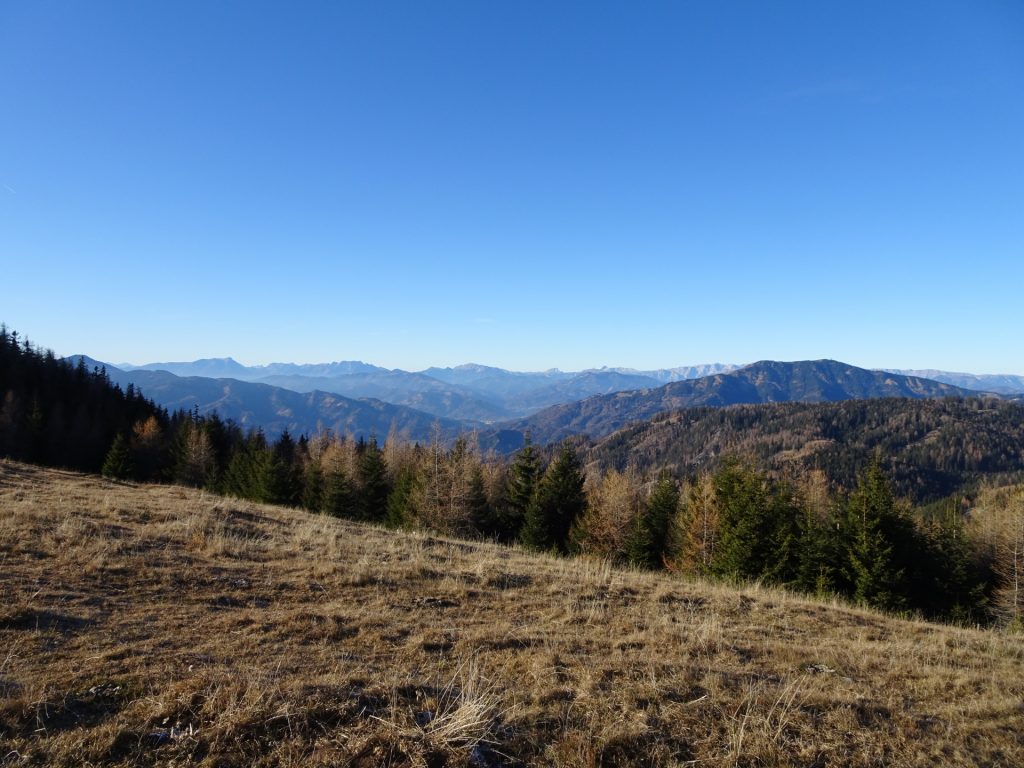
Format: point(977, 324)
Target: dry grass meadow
point(155, 625)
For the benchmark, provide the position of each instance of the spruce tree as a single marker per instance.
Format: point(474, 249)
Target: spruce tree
point(373, 482)
point(244, 476)
point(816, 557)
point(118, 463)
point(744, 534)
point(284, 478)
point(781, 563)
point(313, 488)
point(478, 507)
point(338, 495)
point(401, 512)
point(873, 568)
point(520, 489)
point(559, 501)
point(651, 541)
point(956, 591)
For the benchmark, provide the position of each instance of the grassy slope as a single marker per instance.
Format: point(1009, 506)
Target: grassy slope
point(157, 625)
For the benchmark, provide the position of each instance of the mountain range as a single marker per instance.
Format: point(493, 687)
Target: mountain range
point(473, 393)
point(502, 406)
point(276, 409)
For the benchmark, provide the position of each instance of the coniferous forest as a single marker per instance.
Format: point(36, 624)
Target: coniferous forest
point(850, 532)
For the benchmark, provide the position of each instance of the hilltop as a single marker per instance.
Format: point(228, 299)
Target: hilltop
point(156, 625)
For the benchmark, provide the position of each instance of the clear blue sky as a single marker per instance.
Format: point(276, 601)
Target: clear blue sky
point(523, 184)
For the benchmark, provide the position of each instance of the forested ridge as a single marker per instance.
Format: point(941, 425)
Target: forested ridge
point(57, 413)
point(768, 381)
point(929, 448)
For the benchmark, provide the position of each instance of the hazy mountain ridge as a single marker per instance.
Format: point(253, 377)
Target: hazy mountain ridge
point(415, 390)
point(470, 392)
point(1003, 384)
point(680, 373)
point(227, 367)
point(594, 403)
point(762, 382)
point(275, 409)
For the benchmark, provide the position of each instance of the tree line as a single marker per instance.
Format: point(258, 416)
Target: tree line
point(58, 413)
point(736, 523)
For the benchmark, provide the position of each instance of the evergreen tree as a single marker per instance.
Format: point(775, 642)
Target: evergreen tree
point(956, 588)
point(520, 489)
point(338, 495)
point(875, 573)
point(373, 482)
point(313, 488)
point(148, 448)
point(244, 476)
point(276, 482)
point(401, 512)
point(781, 564)
point(224, 437)
point(744, 522)
point(479, 510)
point(559, 501)
point(650, 544)
point(816, 557)
point(118, 463)
point(282, 473)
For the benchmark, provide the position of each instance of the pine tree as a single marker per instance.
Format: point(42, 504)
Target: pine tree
point(118, 463)
point(558, 503)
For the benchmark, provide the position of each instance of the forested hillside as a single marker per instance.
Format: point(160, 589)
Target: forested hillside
point(53, 412)
point(930, 448)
